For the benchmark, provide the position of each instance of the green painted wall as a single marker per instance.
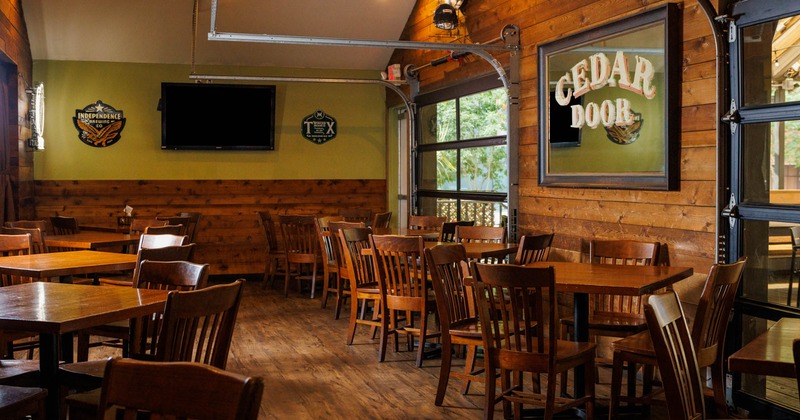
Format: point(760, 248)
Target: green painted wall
point(357, 152)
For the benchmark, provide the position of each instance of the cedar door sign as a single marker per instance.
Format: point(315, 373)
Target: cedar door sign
point(319, 127)
point(98, 124)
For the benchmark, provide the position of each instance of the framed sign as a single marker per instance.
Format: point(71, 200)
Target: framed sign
point(609, 105)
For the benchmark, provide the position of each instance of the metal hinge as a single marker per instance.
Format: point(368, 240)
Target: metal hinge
point(731, 26)
point(732, 117)
point(731, 211)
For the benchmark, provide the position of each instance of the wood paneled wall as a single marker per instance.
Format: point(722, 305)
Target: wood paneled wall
point(685, 219)
point(229, 237)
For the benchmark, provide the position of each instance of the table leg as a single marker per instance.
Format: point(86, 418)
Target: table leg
point(580, 333)
point(48, 367)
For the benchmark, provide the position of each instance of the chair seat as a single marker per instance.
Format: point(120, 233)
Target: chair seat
point(19, 372)
point(471, 329)
point(639, 344)
point(83, 375)
point(610, 322)
point(17, 402)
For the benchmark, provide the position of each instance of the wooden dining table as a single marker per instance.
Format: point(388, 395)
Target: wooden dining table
point(482, 250)
point(93, 240)
point(770, 353)
point(64, 265)
point(426, 234)
point(56, 310)
point(583, 279)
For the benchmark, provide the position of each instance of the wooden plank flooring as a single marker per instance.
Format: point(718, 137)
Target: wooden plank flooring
point(309, 371)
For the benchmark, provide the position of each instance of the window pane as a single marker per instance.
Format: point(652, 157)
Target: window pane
point(770, 60)
point(772, 162)
point(483, 114)
point(438, 170)
point(434, 206)
point(484, 169)
point(768, 248)
point(437, 122)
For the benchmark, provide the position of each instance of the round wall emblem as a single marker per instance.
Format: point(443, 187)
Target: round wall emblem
point(98, 124)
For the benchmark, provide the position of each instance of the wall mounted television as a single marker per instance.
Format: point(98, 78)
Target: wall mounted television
point(217, 116)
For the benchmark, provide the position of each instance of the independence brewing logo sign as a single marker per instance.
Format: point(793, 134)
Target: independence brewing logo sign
point(319, 127)
point(98, 124)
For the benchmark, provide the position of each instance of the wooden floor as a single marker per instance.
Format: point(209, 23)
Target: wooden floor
point(309, 371)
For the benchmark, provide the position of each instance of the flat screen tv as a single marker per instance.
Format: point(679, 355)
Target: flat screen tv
point(217, 116)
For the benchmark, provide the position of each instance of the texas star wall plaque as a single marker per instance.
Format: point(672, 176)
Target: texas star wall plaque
point(98, 124)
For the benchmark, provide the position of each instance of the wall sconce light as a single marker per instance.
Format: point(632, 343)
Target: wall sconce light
point(446, 15)
point(36, 116)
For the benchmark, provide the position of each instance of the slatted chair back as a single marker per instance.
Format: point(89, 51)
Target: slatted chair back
point(198, 325)
point(301, 245)
point(426, 222)
point(675, 352)
point(29, 224)
point(356, 215)
point(167, 253)
point(381, 220)
point(275, 256)
point(14, 245)
point(454, 300)
point(333, 231)
point(193, 225)
point(480, 234)
point(533, 248)
point(38, 244)
point(177, 390)
point(324, 235)
point(359, 266)
point(138, 225)
point(621, 252)
point(166, 230)
point(177, 220)
point(160, 241)
point(63, 225)
point(448, 230)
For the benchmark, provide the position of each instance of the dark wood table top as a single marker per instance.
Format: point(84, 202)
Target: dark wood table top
point(91, 240)
point(633, 280)
point(58, 308)
point(57, 264)
point(770, 353)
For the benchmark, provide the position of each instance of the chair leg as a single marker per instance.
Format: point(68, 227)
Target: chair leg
point(268, 274)
point(588, 388)
point(351, 329)
point(313, 279)
point(718, 386)
point(565, 374)
point(423, 337)
point(288, 278)
point(491, 388)
point(616, 386)
point(444, 370)
point(340, 297)
point(631, 382)
point(384, 337)
point(469, 367)
point(791, 278)
point(550, 403)
point(326, 282)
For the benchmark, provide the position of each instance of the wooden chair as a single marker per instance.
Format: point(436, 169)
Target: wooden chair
point(20, 402)
point(356, 215)
point(708, 335)
point(13, 341)
point(381, 220)
point(402, 279)
point(457, 319)
point(138, 225)
point(341, 288)
point(38, 244)
point(197, 326)
point(40, 224)
point(482, 234)
point(796, 353)
point(448, 230)
point(426, 222)
point(301, 246)
point(331, 280)
point(178, 390)
point(179, 230)
point(63, 225)
point(194, 223)
point(676, 357)
point(533, 248)
point(513, 339)
point(275, 257)
point(361, 278)
point(183, 273)
point(177, 220)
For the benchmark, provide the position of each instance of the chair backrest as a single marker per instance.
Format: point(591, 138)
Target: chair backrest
point(167, 253)
point(794, 232)
point(356, 215)
point(381, 220)
point(493, 234)
point(29, 224)
point(138, 225)
point(38, 244)
point(198, 325)
point(713, 310)
point(177, 220)
point(533, 248)
point(360, 269)
point(621, 252)
point(400, 269)
point(454, 299)
point(326, 243)
point(166, 230)
point(160, 241)
point(426, 222)
point(179, 390)
point(194, 223)
point(63, 225)
point(333, 235)
point(14, 245)
point(268, 227)
point(299, 234)
point(677, 363)
point(448, 230)
point(510, 305)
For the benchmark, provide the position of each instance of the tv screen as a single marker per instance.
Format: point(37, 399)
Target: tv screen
point(217, 116)
point(561, 134)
